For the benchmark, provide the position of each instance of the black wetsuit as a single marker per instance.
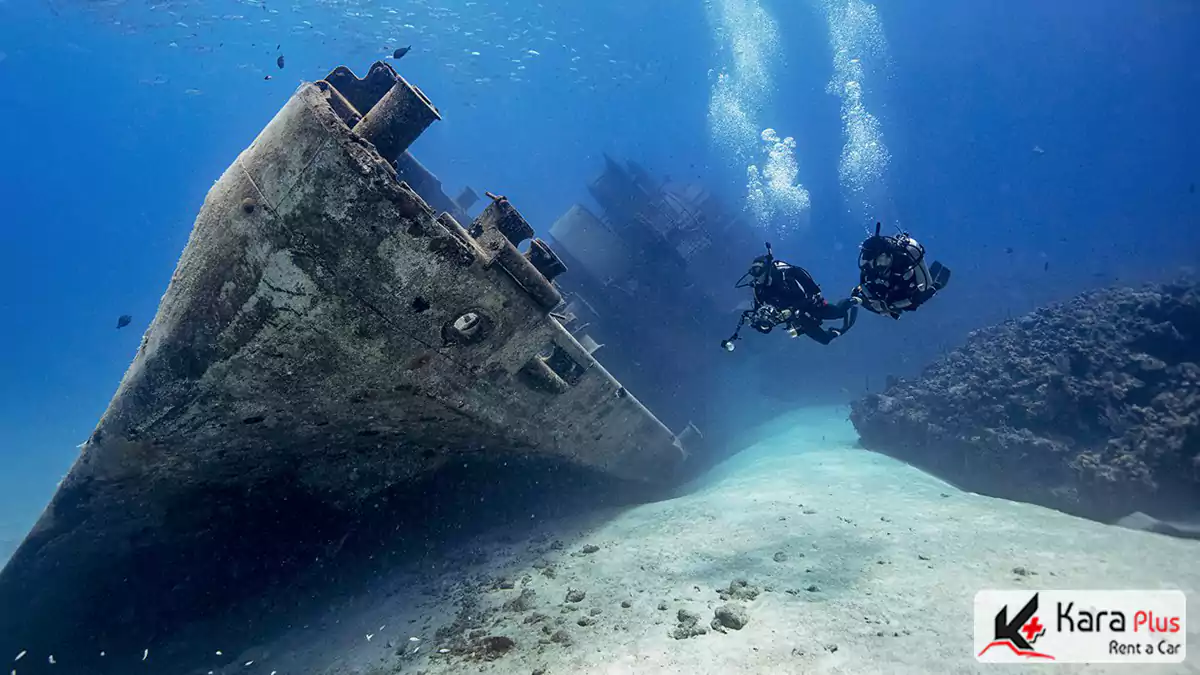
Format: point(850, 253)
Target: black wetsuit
point(793, 288)
point(903, 286)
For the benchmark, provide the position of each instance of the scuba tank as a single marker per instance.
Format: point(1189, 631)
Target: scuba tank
point(901, 245)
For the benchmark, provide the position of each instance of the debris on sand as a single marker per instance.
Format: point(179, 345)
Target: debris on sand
point(521, 603)
point(492, 647)
point(575, 595)
point(468, 618)
point(562, 637)
point(536, 617)
point(689, 625)
point(546, 568)
point(739, 589)
point(587, 550)
point(730, 615)
point(780, 556)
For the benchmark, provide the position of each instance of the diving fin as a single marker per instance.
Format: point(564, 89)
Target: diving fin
point(940, 274)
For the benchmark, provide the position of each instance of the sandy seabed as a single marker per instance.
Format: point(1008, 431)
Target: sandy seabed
point(852, 562)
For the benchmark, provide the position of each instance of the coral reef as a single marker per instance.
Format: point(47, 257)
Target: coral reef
point(1091, 406)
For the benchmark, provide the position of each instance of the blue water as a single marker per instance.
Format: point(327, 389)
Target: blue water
point(116, 117)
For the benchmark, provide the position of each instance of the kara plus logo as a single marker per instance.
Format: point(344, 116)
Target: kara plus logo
point(1020, 633)
point(1080, 626)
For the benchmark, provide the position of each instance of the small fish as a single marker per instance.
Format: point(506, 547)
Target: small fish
point(266, 77)
point(122, 321)
point(1008, 249)
point(1046, 267)
point(279, 61)
point(399, 53)
point(1192, 188)
point(1037, 150)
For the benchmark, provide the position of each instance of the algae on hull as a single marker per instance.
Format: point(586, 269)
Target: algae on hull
point(326, 337)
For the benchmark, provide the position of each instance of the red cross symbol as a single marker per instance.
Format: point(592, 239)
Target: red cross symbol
point(1032, 628)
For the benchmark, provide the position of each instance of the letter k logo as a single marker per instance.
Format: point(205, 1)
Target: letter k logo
point(1011, 630)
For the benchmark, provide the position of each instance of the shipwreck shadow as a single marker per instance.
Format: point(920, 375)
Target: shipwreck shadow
point(272, 555)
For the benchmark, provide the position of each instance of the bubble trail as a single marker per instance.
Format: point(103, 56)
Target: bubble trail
point(774, 196)
point(857, 40)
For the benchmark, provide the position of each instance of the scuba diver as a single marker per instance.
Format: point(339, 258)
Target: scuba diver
point(893, 277)
point(787, 295)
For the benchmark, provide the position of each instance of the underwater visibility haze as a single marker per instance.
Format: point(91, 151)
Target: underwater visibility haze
point(355, 337)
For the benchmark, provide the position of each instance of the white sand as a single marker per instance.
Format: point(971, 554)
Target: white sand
point(853, 524)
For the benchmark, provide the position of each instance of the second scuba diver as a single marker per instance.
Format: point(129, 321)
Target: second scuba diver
point(893, 277)
point(787, 295)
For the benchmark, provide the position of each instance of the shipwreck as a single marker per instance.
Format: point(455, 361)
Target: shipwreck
point(653, 271)
point(329, 335)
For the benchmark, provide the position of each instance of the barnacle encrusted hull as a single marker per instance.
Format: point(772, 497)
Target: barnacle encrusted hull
point(325, 338)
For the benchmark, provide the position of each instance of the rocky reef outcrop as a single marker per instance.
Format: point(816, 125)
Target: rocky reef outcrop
point(1091, 406)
